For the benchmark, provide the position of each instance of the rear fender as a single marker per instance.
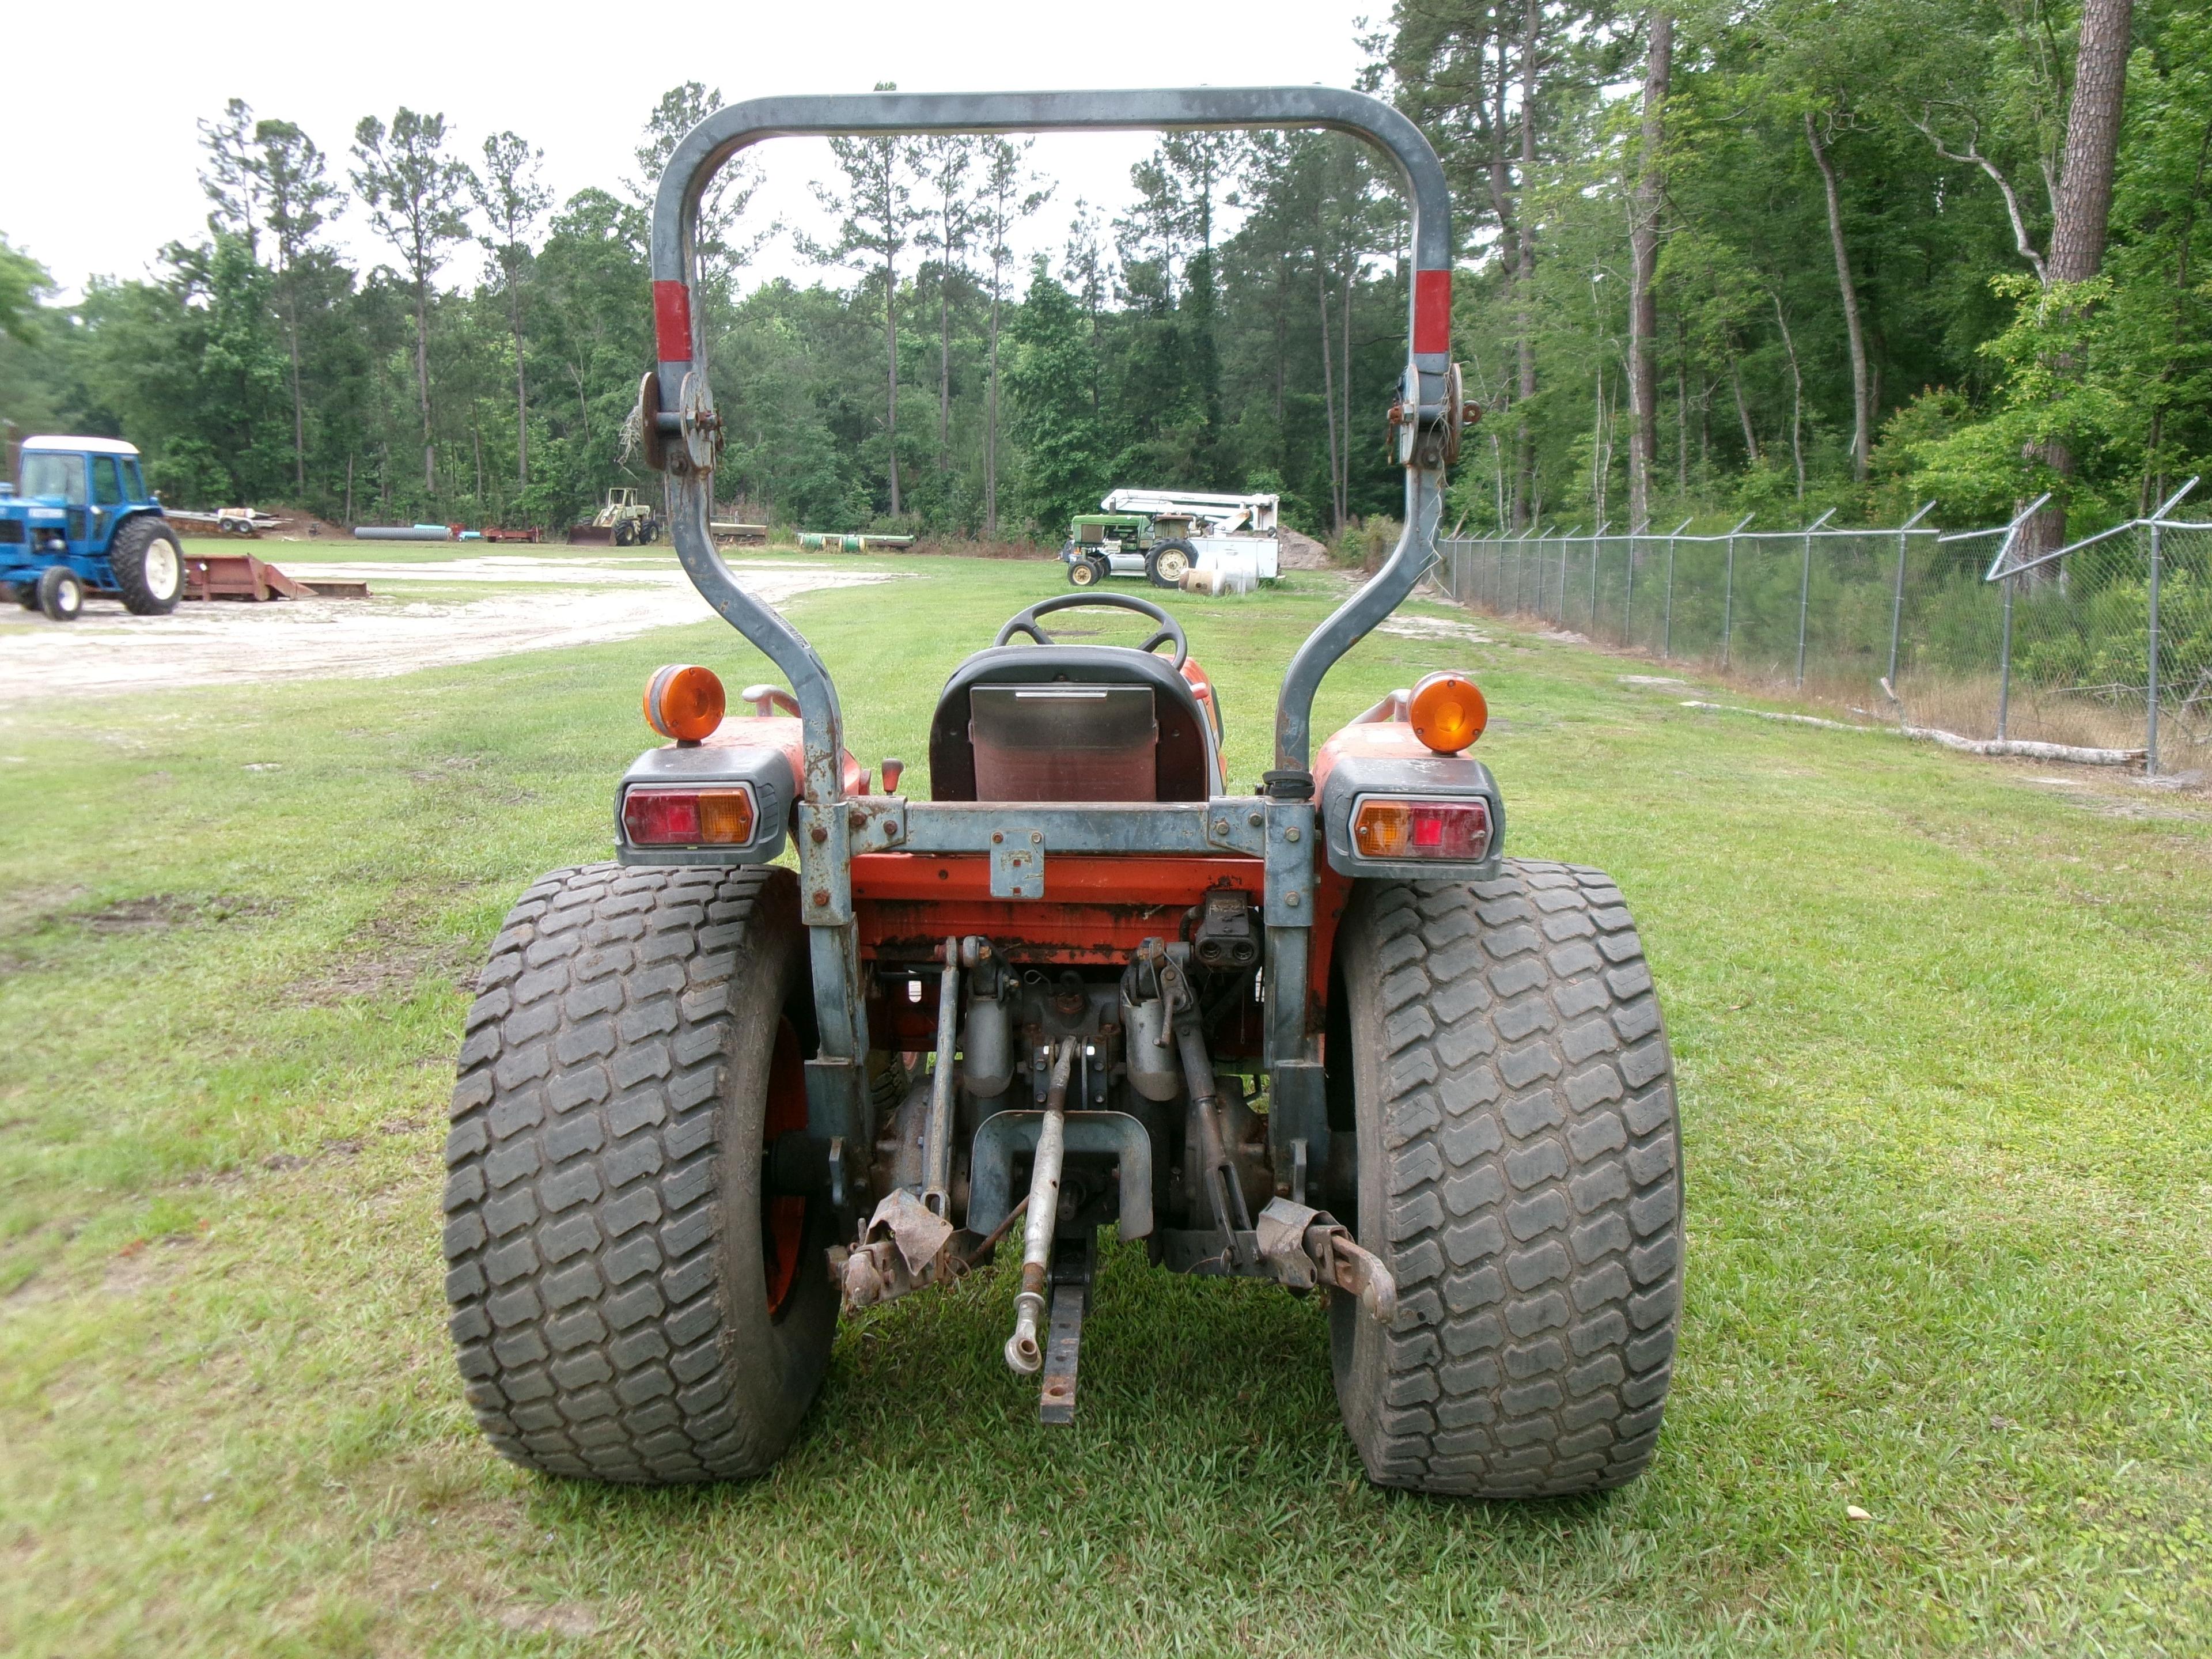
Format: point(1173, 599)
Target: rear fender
point(767, 752)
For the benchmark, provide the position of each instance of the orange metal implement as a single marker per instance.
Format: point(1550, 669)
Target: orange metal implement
point(684, 702)
point(1448, 712)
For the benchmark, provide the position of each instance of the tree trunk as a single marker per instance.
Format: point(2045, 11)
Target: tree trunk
point(1328, 395)
point(991, 415)
point(1681, 415)
point(943, 374)
point(298, 407)
point(890, 347)
point(2081, 214)
point(422, 383)
point(521, 390)
point(1643, 258)
point(1743, 413)
point(1344, 392)
point(1861, 391)
point(1797, 396)
point(2093, 133)
point(1524, 329)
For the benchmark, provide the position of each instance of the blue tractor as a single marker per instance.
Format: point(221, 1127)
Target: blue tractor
point(77, 520)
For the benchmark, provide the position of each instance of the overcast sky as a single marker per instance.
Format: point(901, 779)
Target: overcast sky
point(104, 102)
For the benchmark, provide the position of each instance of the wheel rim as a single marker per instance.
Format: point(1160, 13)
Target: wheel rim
point(783, 1220)
point(162, 570)
point(1083, 574)
point(1172, 565)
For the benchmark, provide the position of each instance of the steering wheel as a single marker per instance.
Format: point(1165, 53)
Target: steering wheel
point(1170, 632)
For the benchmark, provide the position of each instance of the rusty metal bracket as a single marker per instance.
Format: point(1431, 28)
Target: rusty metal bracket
point(903, 1250)
point(1017, 864)
point(1306, 1247)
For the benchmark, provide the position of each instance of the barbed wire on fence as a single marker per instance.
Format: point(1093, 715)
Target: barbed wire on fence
point(2106, 643)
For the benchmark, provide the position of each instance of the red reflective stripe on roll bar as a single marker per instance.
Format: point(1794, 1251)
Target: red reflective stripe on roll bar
point(1431, 311)
point(671, 322)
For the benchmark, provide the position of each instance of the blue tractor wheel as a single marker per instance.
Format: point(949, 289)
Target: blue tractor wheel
point(61, 593)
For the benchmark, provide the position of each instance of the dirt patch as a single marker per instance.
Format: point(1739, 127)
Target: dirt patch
point(1298, 552)
point(562, 1618)
point(157, 913)
point(1433, 627)
point(568, 601)
point(391, 957)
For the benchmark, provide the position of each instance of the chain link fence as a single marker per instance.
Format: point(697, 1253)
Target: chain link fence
point(2104, 644)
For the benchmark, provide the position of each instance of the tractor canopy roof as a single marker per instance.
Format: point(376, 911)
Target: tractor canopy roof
point(80, 445)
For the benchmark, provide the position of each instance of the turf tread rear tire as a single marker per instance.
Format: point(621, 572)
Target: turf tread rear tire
point(126, 556)
point(601, 1317)
point(1518, 1113)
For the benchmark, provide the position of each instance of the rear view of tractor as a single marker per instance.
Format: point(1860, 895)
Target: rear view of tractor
point(1324, 1034)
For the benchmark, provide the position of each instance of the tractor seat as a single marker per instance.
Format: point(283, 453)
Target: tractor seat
point(1068, 722)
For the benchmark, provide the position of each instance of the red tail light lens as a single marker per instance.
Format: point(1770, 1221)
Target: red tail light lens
point(656, 815)
point(1454, 830)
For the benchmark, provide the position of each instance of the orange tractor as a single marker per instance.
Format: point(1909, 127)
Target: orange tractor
point(1324, 1034)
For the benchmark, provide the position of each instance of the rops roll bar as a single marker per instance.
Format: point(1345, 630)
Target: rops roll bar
point(683, 435)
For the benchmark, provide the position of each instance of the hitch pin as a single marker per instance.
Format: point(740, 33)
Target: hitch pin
point(1023, 1353)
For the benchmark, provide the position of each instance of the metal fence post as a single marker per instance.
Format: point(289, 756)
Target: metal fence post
point(1727, 593)
point(1897, 600)
point(1804, 599)
point(1805, 592)
point(1628, 594)
point(1595, 534)
point(1667, 623)
point(2150, 707)
point(2004, 663)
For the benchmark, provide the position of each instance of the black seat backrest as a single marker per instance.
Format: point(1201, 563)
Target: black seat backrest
point(1182, 761)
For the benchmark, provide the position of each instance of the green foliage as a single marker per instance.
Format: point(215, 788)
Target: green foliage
point(23, 283)
point(1049, 378)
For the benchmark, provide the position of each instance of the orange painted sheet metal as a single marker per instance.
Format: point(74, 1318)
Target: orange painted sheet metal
point(783, 731)
point(1096, 908)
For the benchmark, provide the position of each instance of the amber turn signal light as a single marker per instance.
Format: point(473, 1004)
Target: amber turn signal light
point(659, 816)
point(1448, 712)
point(1458, 831)
point(684, 702)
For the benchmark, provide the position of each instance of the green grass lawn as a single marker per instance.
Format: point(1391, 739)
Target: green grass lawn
point(1945, 1061)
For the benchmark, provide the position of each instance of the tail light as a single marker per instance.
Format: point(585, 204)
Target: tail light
point(656, 815)
point(1457, 832)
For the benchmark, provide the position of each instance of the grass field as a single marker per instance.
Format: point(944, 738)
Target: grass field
point(1945, 1065)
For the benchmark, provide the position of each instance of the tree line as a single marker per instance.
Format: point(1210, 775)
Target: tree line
point(1777, 258)
point(929, 379)
point(1794, 255)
